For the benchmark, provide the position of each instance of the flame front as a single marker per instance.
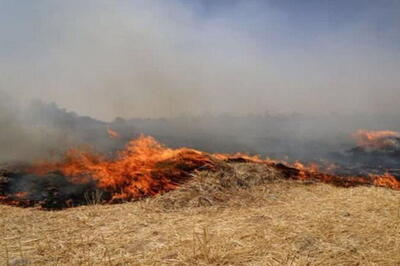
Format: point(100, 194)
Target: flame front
point(376, 139)
point(144, 168)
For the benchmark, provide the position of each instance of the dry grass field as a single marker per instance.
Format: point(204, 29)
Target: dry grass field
point(245, 214)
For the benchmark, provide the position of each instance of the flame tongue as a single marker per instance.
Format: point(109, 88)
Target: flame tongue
point(386, 180)
point(112, 133)
point(377, 139)
point(144, 168)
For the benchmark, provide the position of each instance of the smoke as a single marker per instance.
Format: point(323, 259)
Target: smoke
point(38, 130)
point(153, 59)
point(159, 59)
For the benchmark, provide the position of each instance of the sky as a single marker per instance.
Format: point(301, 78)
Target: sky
point(157, 58)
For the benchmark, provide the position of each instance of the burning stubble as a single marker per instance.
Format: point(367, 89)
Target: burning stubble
point(232, 78)
point(144, 168)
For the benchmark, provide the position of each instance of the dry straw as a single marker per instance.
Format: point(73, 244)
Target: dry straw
point(243, 214)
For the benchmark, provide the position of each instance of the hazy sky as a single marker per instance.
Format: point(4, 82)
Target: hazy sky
point(152, 58)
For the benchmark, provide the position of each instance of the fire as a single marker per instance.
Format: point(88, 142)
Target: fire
point(376, 139)
point(312, 172)
point(144, 168)
point(112, 134)
point(386, 180)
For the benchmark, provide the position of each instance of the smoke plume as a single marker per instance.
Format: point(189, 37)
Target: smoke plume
point(154, 59)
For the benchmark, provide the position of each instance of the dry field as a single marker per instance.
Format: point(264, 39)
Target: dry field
point(245, 214)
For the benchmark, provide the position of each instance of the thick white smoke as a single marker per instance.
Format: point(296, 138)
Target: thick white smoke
point(152, 59)
point(165, 58)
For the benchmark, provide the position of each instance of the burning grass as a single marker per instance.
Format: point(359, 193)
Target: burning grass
point(381, 139)
point(144, 168)
point(239, 214)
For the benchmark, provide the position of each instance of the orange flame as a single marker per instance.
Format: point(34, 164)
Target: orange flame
point(112, 134)
point(144, 168)
point(375, 139)
point(386, 180)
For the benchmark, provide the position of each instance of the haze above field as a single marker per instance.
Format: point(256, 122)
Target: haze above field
point(166, 58)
